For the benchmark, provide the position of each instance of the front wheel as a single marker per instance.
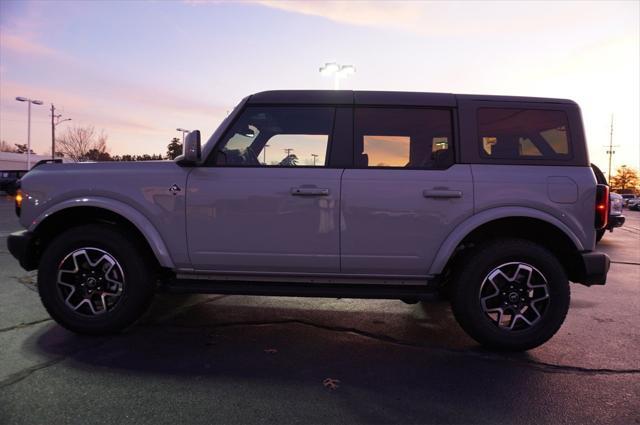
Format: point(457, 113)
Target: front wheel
point(511, 294)
point(93, 279)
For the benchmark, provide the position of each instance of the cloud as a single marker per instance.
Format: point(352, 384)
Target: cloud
point(364, 13)
point(395, 14)
point(453, 18)
point(23, 45)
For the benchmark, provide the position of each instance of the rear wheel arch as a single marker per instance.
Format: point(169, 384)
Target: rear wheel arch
point(564, 245)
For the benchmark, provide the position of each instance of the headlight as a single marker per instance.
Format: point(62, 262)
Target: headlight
point(18, 201)
point(616, 206)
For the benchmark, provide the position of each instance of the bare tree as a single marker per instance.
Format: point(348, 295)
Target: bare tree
point(82, 143)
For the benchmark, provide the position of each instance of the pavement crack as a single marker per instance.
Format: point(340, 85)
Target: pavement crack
point(542, 366)
point(178, 311)
point(631, 263)
point(25, 373)
point(25, 325)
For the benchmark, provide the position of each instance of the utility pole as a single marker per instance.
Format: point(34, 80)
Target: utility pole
point(55, 120)
point(288, 151)
point(314, 155)
point(610, 151)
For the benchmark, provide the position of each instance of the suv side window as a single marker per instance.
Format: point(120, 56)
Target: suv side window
point(410, 138)
point(506, 133)
point(276, 136)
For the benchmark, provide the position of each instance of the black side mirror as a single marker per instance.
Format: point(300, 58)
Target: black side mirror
point(191, 151)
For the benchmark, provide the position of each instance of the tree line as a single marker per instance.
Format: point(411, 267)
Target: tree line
point(86, 144)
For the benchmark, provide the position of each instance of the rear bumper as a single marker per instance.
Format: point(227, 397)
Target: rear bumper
point(615, 221)
point(21, 246)
point(593, 268)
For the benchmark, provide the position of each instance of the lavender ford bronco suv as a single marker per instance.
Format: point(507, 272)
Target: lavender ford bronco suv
point(488, 201)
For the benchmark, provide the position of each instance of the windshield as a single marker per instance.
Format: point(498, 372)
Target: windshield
point(208, 147)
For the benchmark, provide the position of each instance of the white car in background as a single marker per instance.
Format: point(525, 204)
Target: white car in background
point(629, 198)
point(616, 219)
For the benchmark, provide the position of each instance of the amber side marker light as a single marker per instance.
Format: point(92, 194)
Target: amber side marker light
point(18, 201)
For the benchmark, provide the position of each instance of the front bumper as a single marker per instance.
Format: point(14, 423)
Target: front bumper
point(594, 267)
point(21, 245)
point(615, 221)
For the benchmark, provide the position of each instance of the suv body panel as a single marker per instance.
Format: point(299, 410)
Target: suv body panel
point(249, 219)
point(564, 193)
point(138, 191)
point(390, 226)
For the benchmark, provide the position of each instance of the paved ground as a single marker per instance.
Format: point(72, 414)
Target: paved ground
point(229, 359)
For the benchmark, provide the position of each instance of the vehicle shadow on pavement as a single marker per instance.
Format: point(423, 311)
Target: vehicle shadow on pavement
point(301, 360)
point(197, 327)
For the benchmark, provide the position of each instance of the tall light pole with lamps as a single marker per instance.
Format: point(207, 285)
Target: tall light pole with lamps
point(29, 102)
point(338, 71)
point(183, 131)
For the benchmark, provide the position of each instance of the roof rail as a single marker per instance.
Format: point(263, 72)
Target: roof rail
point(48, 161)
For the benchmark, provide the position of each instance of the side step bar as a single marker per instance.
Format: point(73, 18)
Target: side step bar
point(392, 292)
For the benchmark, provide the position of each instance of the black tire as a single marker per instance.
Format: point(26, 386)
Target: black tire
point(486, 258)
point(600, 234)
point(137, 279)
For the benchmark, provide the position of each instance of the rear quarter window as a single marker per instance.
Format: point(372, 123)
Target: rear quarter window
point(523, 134)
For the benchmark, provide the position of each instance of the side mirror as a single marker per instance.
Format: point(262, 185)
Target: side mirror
point(191, 151)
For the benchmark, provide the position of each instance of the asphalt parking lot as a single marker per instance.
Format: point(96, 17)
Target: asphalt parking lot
point(232, 359)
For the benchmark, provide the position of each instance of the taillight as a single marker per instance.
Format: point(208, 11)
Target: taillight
point(602, 206)
point(18, 201)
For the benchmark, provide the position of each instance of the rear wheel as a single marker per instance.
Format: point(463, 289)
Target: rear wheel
point(93, 279)
point(511, 294)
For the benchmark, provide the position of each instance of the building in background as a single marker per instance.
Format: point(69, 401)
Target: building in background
point(18, 161)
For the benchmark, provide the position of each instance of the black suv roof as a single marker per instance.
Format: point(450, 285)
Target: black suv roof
point(349, 97)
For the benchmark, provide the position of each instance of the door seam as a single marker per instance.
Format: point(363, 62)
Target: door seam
point(340, 223)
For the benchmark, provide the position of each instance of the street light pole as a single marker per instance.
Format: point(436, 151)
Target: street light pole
point(29, 102)
point(338, 71)
point(314, 155)
point(183, 131)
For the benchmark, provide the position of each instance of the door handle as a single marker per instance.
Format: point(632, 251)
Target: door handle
point(309, 191)
point(441, 193)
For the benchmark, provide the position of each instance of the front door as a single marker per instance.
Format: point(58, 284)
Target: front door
point(406, 193)
point(267, 201)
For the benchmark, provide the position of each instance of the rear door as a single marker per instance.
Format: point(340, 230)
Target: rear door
point(405, 194)
point(269, 198)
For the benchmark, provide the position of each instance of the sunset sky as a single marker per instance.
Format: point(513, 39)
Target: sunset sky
point(139, 69)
